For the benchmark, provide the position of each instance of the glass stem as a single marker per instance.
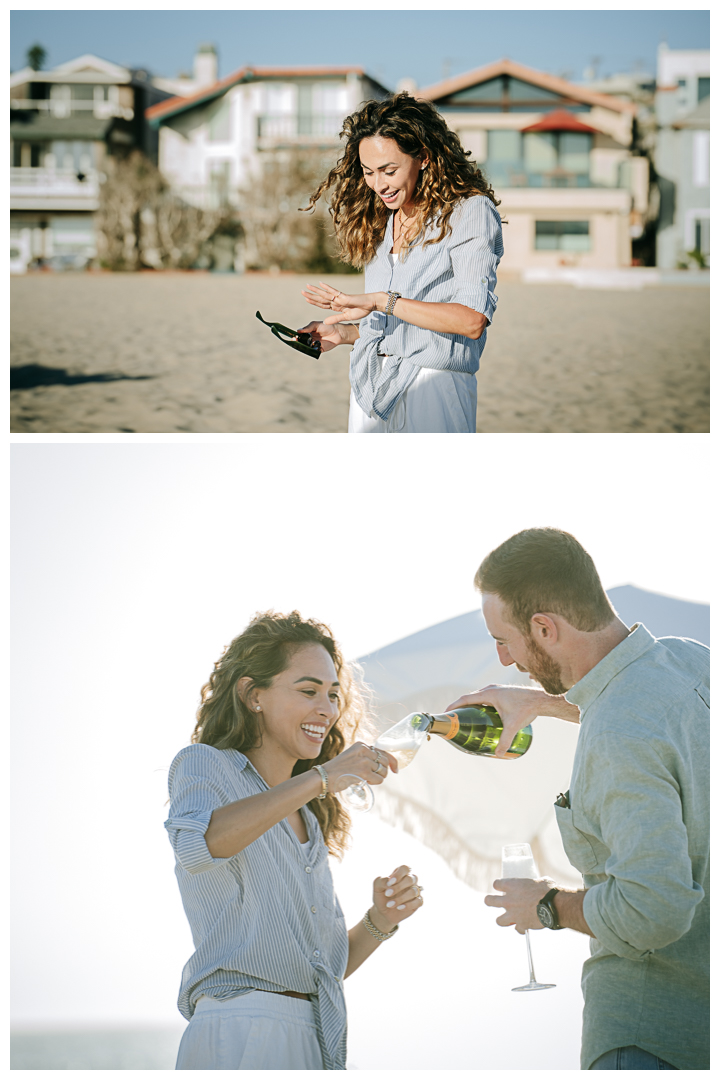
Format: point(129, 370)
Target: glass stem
point(530, 959)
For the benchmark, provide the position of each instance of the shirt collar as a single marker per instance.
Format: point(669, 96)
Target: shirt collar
point(387, 241)
point(584, 692)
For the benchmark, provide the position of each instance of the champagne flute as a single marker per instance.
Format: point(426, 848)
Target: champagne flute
point(402, 741)
point(518, 862)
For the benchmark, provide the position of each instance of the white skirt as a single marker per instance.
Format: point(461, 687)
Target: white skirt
point(253, 1031)
point(437, 401)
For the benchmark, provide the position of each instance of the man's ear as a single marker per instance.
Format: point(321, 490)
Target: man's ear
point(544, 628)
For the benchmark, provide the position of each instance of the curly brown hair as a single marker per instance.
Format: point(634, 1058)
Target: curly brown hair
point(359, 215)
point(262, 651)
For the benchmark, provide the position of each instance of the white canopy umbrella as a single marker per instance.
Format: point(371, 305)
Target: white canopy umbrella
point(464, 807)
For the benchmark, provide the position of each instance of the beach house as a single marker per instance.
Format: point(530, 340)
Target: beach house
point(561, 159)
point(212, 142)
point(63, 123)
point(682, 156)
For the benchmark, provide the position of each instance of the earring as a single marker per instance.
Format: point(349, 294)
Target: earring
point(258, 709)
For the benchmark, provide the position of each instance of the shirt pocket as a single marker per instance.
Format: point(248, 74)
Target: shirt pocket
point(577, 844)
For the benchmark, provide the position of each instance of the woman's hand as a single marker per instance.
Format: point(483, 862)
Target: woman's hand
point(327, 337)
point(395, 898)
point(360, 760)
point(349, 308)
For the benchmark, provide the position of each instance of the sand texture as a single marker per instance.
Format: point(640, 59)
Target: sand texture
point(175, 352)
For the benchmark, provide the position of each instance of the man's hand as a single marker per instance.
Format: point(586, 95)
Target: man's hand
point(518, 706)
point(520, 899)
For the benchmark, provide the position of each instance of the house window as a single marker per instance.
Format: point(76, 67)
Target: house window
point(703, 87)
point(504, 164)
point(574, 151)
point(562, 236)
point(541, 154)
point(219, 183)
point(504, 147)
point(558, 158)
point(701, 158)
point(218, 128)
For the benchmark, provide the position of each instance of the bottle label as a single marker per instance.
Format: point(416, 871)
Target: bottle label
point(454, 725)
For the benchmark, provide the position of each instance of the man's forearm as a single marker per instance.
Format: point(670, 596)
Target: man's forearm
point(569, 906)
point(550, 705)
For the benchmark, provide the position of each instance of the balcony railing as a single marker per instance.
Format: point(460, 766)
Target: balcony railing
point(293, 128)
point(61, 183)
point(103, 110)
point(516, 176)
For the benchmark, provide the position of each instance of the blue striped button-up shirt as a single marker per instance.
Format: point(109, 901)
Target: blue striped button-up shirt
point(461, 269)
point(265, 919)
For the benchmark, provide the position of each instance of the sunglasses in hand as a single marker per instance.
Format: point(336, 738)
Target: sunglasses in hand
point(296, 340)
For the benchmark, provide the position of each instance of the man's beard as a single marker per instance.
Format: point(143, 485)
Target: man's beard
point(544, 669)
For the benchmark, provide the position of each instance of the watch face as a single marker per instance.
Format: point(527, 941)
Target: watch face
point(545, 916)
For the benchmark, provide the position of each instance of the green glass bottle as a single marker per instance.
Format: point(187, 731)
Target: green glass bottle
point(476, 729)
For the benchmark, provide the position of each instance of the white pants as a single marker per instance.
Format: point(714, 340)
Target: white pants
point(437, 401)
point(253, 1031)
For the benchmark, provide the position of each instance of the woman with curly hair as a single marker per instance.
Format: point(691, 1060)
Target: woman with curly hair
point(254, 812)
point(409, 206)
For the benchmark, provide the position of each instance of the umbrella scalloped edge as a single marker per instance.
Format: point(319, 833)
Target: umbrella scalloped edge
point(472, 869)
point(422, 824)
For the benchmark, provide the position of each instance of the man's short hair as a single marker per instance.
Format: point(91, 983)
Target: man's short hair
point(546, 570)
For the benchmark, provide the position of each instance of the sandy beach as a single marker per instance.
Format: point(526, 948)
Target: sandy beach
point(183, 352)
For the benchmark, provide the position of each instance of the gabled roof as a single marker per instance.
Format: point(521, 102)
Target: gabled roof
point(518, 71)
point(86, 67)
point(157, 113)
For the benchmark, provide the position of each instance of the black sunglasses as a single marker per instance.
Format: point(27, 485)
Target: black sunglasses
point(302, 342)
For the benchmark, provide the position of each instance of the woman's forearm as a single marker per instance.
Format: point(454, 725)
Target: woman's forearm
point(351, 332)
point(362, 944)
point(234, 827)
point(444, 318)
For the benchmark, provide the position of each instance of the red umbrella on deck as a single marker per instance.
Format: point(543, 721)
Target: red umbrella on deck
point(560, 120)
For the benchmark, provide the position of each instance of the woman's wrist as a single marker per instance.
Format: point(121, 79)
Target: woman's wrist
point(380, 921)
point(381, 301)
point(350, 333)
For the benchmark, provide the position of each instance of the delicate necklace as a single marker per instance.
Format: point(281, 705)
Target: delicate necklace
point(403, 225)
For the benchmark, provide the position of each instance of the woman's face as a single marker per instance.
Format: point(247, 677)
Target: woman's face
point(301, 704)
point(392, 174)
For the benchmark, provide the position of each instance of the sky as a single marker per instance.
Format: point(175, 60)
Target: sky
point(426, 45)
point(134, 564)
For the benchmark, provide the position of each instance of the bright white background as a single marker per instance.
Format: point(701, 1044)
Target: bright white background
point(134, 565)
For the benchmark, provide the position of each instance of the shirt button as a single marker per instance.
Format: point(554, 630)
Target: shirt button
point(314, 910)
point(308, 869)
point(317, 952)
point(336, 978)
point(483, 281)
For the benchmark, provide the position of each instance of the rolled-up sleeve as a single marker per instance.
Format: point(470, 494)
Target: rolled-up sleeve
point(649, 898)
point(476, 248)
point(196, 789)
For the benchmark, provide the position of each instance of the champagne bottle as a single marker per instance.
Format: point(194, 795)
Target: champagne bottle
point(476, 729)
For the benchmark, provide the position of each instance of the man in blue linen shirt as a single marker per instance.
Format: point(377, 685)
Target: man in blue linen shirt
point(635, 820)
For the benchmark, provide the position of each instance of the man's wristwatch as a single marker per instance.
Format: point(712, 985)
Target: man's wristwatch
point(547, 913)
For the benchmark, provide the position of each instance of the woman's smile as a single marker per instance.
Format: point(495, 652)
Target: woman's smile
point(315, 732)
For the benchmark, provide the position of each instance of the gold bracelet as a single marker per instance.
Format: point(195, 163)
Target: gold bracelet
point(393, 298)
point(372, 928)
point(323, 776)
